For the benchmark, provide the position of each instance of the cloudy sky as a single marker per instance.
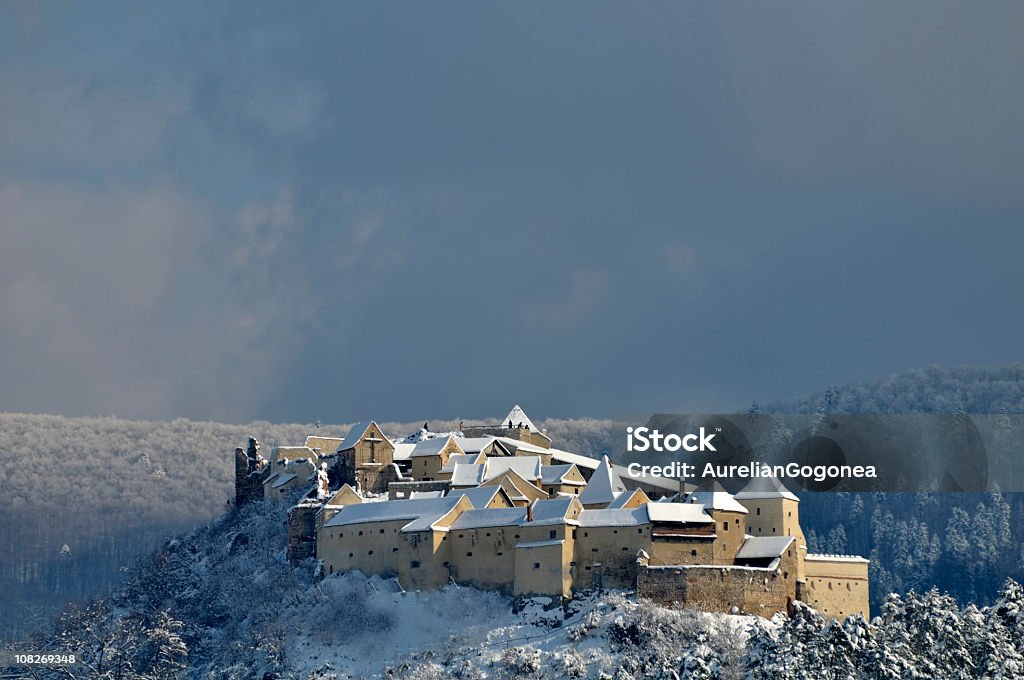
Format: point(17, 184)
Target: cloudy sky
point(439, 209)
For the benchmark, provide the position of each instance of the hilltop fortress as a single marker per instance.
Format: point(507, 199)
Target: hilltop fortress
point(499, 508)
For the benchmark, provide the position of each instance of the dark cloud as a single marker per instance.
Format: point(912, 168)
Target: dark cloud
point(246, 212)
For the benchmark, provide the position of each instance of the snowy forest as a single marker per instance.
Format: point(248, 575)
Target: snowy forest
point(222, 602)
point(86, 497)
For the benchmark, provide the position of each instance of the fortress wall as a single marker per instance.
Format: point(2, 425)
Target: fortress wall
point(615, 549)
point(836, 586)
point(718, 589)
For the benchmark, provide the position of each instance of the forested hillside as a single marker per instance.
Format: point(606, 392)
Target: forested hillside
point(82, 498)
point(224, 603)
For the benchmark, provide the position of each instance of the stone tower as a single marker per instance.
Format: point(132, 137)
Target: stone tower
point(250, 470)
point(773, 510)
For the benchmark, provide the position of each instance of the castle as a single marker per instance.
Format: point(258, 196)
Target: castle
point(499, 508)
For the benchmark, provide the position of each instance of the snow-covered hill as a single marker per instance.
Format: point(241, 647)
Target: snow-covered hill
point(223, 602)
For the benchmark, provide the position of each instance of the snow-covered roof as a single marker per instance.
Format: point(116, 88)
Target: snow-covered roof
point(613, 518)
point(386, 511)
point(460, 459)
point(517, 445)
point(323, 444)
point(354, 435)
point(489, 517)
point(623, 498)
point(604, 485)
point(518, 418)
point(576, 459)
point(551, 510)
point(468, 475)
point(426, 494)
point(555, 474)
point(715, 497)
point(819, 557)
point(663, 483)
point(527, 467)
point(282, 480)
point(765, 487)
point(763, 547)
point(479, 496)
point(430, 447)
point(403, 450)
point(473, 444)
point(683, 513)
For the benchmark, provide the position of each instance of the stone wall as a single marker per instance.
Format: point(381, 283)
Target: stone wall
point(741, 590)
point(302, 531)
point(402, 490)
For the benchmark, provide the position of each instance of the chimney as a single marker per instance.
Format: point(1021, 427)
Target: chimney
point(529, 512)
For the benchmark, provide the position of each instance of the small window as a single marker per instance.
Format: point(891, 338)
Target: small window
point(370, 553)
point(500, 554)
point(615, 531)
point(725, 526)
point(551, 534)
point(331, 569)
point(462, 535)
point(574, 533)
point(415, 564)
point(360, 533)
point(790, 513)
point(585, 534)
point(394, 550)
point(488, 533)
point(639, 531)
point(586, 568)
point(593, 550)
point(536, 565)
point(517, 535)
point(469, 554)
point(693, 553)
point(759, 511)
point(625, 548)
point(785, 575)
point(351, 555)
point(382, 531)
point(447, 564)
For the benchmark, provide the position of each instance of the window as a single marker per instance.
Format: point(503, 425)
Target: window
point(469, 554)
point(586, 568)
point(551, 534)
point(625, 548)
point(785, 575)
point(500, 554)
point(488, 533)
point(382, 531)
point(759, 511)
point(574, 533)
point(615, 531)
point(593, 550)
point(351, 554)
point(725, 526)
point(447, 564)
point(693, 553)
point(462, 535)
point(360, 533)
point(394, 550)
point(415, 564)
point(331, 569)
point(370, 553)
point(639, 531)
point(536, 565)
point(585, 534)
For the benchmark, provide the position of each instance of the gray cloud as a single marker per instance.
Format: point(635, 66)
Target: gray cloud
point(243, 212)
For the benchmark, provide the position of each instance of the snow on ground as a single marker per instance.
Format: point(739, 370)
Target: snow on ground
point(464, 632)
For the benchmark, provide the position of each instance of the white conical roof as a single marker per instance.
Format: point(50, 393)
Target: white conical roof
point(604, 485)
point(519, 418)
point(715, 497)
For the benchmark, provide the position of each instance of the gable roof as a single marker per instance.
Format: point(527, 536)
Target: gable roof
point(765, 487)
point(580, 461)
point(527, 467)
point(762, 547)
point(355, 434)
point(518, 418)
point(467, 475)
point(473, 444)
point(385, 511)
point(489, 517)
point(403, 450)
point(555, 474)
point(431, 447)
point(479, 496)
point(623, 498)
point(681, 513)
point(460, 459)
point(604, 485)
point(551, 510)
point(613, 518)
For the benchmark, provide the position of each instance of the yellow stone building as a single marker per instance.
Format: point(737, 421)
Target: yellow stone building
point(496, 516)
